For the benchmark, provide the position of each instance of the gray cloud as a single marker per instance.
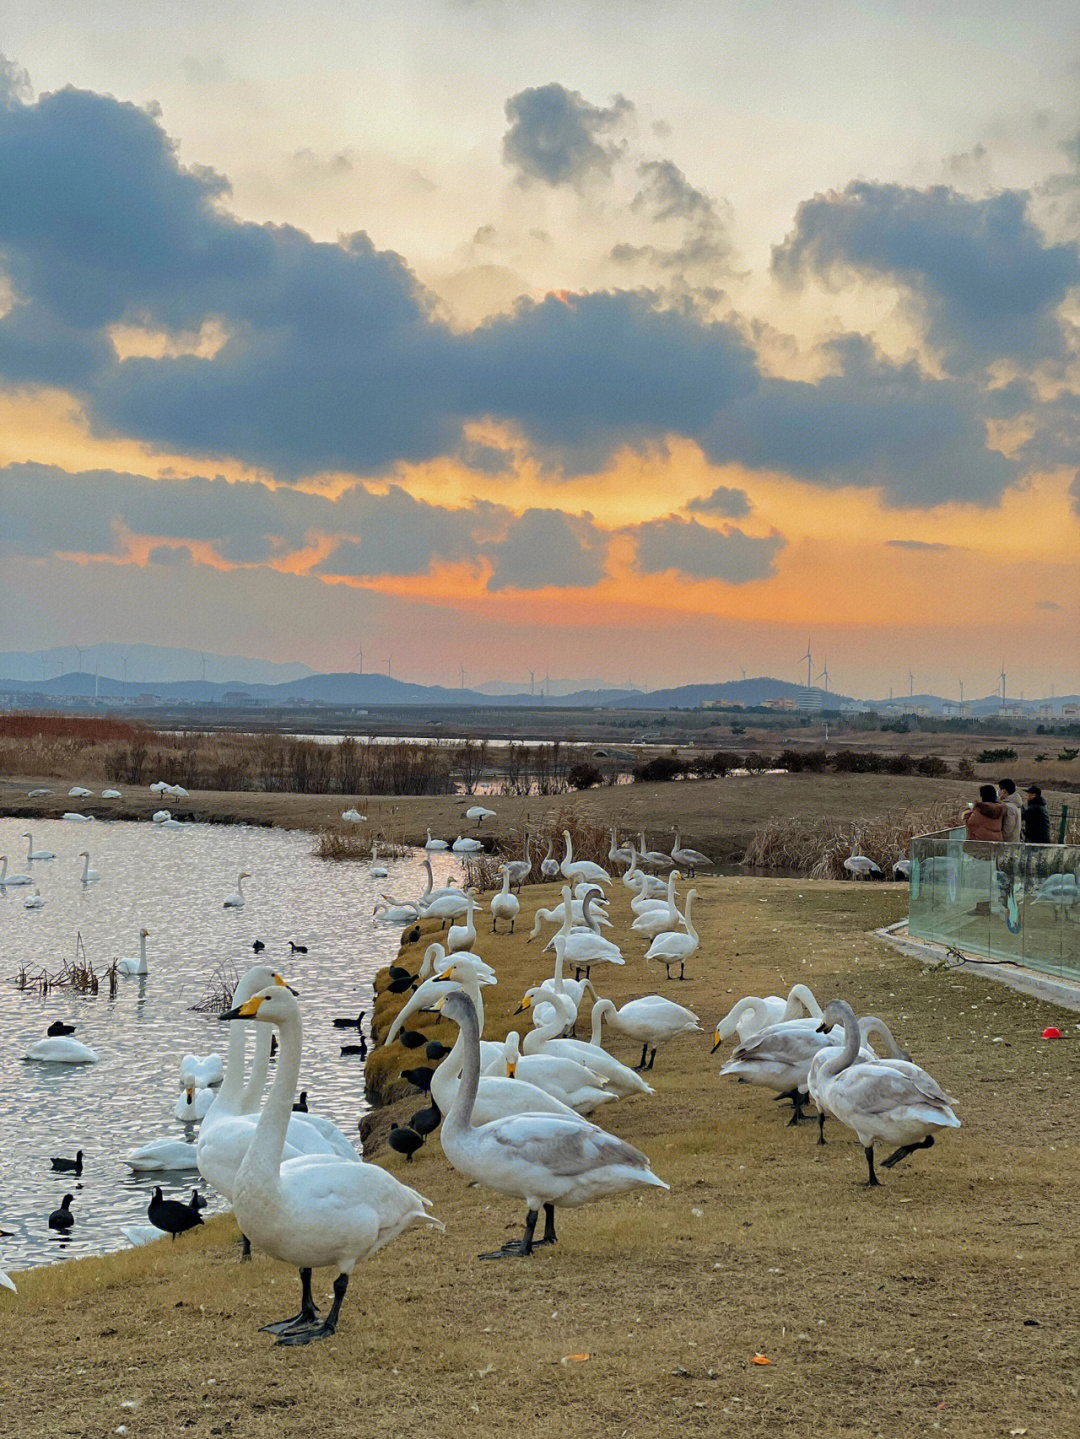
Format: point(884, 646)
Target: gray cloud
point(982, 274)
point(554, 135)
point(1047, 605)
point(400, 535)
point(334, 358)
point(918, 545)
point(171, 555)
point(703, 553)
point(548, 547)
point(729, 504)
point(666, 197)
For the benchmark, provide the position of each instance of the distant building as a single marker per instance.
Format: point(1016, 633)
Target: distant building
point(721, 705)
point(235, 698)
point(809, 700)
point(781, 704)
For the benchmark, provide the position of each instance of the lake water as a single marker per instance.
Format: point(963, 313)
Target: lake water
point(172, 883)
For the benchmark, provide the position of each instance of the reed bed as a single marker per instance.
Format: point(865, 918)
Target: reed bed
point(220, 987)
point(76, 974)
point(590, 839)
point(817, 845)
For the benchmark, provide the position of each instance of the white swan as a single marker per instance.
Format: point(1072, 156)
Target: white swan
point(387, 913)
point(479, 813)
point(433, 844)
point(353, 816)
point(61, 1051)
point(236, 901)
point(651, 1020)
point(311, 1215)
point(504, 905)
point(110, 794)
point(161, 1154)
point(464, 845)
point(586, 946)
point(11, 879)
point(567, 1079)
point(139, 1234)
point(202, 1071)
point(463, 936)
point(77, 791)
point(646, 902)
point(675, 948)
point(882, 1101)
point(34, 900)
point(32, 853)
point(89, 876)
point(549, 866)
point(545, 1160)
point(73, 817)
point(496, 1095)
point(754, 1012)
point(688, 859)
point(547, 1039)
point(193, 1104)
point(448, 906)
point(654, 917)
point(573, 869)
point(6, 1282)
point(135, 966)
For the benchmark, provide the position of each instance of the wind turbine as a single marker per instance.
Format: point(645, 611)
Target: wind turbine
point(961, 697)
point(123, 666)
point(461, 668)
point(742, 671)
point(79, 650)
point(809, 663)
point(1001, 677)
point(202, 662)
point(825, 673)
point(911, 685)
point(359, 652)
point(532, 682)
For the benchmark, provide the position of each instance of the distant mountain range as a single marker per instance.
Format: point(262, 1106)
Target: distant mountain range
point(348, 690)
point(144, 665)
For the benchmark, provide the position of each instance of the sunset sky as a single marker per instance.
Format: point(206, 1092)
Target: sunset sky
point(607, 339)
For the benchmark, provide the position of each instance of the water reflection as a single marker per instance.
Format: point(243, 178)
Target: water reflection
point(172, 883)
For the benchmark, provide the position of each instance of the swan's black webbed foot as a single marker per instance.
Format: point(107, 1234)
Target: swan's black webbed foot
point(308, 1316)
point(798, 1113)
point(906, 1149)
point(329, 1324)
point(644, 1057)
point(245, 1248)
point(523, 1247)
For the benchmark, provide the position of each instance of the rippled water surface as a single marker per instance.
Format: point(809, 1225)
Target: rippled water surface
point(172, 883)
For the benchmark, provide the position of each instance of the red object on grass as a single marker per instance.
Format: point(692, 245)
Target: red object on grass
point(1051, 1032)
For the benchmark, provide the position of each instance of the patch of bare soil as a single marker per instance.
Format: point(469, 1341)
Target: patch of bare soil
point(942, 1303)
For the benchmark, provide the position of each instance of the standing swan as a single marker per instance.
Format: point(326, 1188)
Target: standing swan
point(883, 1102)
point(236, 901)
point(544, 1159)
point(312, 1215)
point(672, 947)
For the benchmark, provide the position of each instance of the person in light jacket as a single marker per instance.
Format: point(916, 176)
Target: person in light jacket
point(1012, 823)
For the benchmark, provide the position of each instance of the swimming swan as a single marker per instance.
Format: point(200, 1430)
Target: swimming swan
point(6, 878)
point(135, 966)
point(311, 1215)
point(61, 1051)
point(236, 901)
point(89, 876)
point(32, 853)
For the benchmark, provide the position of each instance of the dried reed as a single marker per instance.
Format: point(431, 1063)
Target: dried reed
point(817, 845)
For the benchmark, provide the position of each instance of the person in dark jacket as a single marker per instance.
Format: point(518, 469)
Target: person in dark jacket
point(984, 819)
point(1036, 817)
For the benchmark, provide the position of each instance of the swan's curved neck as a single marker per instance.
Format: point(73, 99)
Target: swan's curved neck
point(240, 886)
point(265, 1151)
point(468, 1041)
point(599, 1009)
point(229, 1098)
point(260, 1067)
point(691, 931)
point(752, 1004)
point(569, 847)
point(800, 997)
point(850, 1048)
point(85, 865)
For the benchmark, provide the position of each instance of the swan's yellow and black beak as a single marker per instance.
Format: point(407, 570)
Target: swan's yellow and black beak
point(248, 1010)
point(511, 1069)
point(279, 979)
point(446, 974)
point(525, 1004)
point(824, 1029)
point(717, 1041)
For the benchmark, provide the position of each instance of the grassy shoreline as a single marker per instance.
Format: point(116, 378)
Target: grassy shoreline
point(718, 816)
point(941, 1303)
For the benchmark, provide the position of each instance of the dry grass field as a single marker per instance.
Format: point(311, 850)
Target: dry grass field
point(943, 1303)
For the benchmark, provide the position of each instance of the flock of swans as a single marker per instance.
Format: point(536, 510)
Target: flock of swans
point(513, 1114)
